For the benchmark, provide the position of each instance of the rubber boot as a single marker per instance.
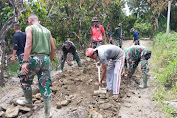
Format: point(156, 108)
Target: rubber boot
point(28, 99)
point(47, 108)
point(79, 63)
point(62, 65)
point(144, 84)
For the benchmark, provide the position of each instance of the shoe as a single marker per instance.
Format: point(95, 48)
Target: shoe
point(47, 108)
point(28, 99)
point(144, 84)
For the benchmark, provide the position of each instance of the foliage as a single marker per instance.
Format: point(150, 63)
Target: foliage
point(165, 69)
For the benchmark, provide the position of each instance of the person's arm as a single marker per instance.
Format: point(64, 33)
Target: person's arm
point(52, 54)
point(27, 51)
point(104, 67)
point(15, 48)
point(104, 37)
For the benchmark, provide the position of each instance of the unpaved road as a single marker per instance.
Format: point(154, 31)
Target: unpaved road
point(76, 85)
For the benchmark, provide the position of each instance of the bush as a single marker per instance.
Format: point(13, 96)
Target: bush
point(145, 29)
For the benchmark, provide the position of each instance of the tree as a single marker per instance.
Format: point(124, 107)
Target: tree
point(17, 5)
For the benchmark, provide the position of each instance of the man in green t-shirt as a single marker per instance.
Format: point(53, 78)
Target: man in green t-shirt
point(38, 55)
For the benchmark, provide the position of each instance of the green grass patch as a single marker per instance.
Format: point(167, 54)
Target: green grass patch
point(164, 58)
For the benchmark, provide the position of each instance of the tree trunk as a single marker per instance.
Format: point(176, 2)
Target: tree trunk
point(17, 4)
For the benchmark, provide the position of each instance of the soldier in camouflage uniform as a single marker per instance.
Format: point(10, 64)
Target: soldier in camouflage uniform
point(69, 47)
point(133, 55)
point(118, 35)
point(38, 55)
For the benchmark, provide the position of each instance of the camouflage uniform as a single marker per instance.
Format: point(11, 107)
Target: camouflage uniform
point(133, 56)
point(117, 36)
point(20, 60)
point(39, 65)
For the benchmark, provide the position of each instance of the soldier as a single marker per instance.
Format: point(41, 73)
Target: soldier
point(69, 47)
point(118, 35)
point(97, 31)
point(19, 40)
point(134, 55)
point(135, 36)
point(38, 55)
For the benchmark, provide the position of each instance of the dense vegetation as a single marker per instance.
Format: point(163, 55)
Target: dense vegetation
point(165, 68)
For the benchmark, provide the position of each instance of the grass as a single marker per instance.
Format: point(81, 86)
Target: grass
point(165, 69)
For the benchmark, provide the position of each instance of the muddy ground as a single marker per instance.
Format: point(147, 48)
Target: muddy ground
point(72, 95)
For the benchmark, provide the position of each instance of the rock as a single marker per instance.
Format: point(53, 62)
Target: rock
point(38, 96)
point(105, 106)
point(53, 89)
point(101, 101)
point(2, 113)
point(59, 106)
point(173, 105)
point(64, 103)
point(12, 112)
point(95, 114)
point(35, 90)
point(37, 102)
point(34, 99)
point(5, 107)
point(24, 108)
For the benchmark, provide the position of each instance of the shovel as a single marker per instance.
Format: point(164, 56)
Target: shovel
point(100, 90)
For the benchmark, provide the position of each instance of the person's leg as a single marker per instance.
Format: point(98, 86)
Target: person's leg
point(110, 75)
point(117, 75)
point(44, 79)
point(62, 62)
point(77, 58)
point(144, 64)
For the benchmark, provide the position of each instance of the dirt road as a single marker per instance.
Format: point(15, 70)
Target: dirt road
point(73, 96)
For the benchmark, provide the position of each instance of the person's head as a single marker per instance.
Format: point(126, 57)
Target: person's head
point(67, 45)
point(119, 25)
point(16, 27)
point(95, 20)
point(32, 19)
point(92, 53)
point(147, 54)
point(132, 30)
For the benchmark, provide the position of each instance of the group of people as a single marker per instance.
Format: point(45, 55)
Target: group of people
point(35, 50)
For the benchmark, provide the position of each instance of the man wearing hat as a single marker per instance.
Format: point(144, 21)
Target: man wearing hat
point(135, 36)
point(97, 30)
point(116, 56)
point(69, 47)
point(118, 35)
point(134, 55)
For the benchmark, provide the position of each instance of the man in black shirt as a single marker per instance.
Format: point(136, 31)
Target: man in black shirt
point(19, 40)
point(69, 47)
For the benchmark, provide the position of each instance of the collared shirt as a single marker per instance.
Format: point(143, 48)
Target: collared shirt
point(19, 39)
point(96, 32)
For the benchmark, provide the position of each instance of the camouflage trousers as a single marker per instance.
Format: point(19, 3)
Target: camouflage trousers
point(118, 42)
point(133, 64)
point(95, 44)
point(137, 42)
point(20, 60)
point(40, 66)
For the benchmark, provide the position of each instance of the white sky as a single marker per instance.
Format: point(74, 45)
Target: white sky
point(126, 10)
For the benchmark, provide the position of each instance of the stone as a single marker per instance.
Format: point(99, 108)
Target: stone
point(37, 102)
point(64, 102)
point(105, 106)
point(2, 113)
point(59, 106)
point(38, 96)
point(95, 114)
point(24, 108)
point(34, 99)
point(35, 90)
point(173, 105)
point(12, 112)
point(5, 107)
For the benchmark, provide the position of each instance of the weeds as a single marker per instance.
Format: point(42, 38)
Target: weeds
point(165, 69)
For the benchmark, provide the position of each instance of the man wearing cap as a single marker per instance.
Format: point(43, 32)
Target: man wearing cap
point(134, 55)
point(116, 56)
point(97, 30)
point(69, 47)
point(135, 36)
point(19, 39)
point(118, 35)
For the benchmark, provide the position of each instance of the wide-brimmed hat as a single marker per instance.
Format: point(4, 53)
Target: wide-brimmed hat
point(94, 19)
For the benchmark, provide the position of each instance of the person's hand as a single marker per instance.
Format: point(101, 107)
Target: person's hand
point(98, 64)
point(12, 59)
point(123, 73)
point(24, 69)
